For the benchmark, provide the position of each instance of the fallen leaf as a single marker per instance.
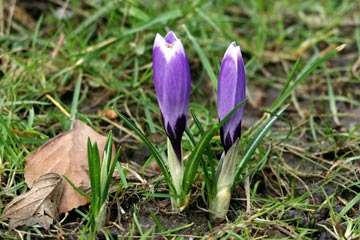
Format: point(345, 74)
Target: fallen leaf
point(39, 206)
point(66, 154)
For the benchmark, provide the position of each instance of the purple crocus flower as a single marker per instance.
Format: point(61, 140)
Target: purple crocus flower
point(231, 91)
point(172, 84)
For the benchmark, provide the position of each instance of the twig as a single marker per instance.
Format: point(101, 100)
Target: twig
point(247, 193)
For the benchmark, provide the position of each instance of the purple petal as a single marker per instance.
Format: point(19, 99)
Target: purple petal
point(175, 134)
point(172, 85)
point(231, 91)
point(171, 37)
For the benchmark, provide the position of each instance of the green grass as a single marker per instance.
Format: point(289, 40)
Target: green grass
point(302, 186)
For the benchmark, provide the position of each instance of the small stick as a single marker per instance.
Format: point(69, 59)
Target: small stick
point(247, 193)
point(58, 105)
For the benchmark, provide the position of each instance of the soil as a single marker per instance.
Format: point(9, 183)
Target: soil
point(316, 217)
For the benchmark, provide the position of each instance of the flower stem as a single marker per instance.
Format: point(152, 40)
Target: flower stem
point(220, 204)
point(225, 179)
point(176, 169)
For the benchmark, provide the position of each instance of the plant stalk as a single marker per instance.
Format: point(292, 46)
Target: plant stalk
point(225, 179)
point(176, 169)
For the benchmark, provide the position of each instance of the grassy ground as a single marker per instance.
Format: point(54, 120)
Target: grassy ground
point(308, 186)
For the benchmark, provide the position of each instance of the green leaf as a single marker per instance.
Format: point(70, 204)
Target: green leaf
point(75, 101)
point(308, 69)
point(191, 165)
point(259, 165)
point(82, 193)
point(207, 178)
point(162, 195)
point(167, 16)
point(122, 175)
point(152, 149)
point(156, 220)
point(203, 58)
point(94, 171)
point(348, 206)
point(256, 140)
point(108, 147)
point(226, 168)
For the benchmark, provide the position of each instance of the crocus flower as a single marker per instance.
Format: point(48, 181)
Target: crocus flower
point(172, 84)
point(231, 91)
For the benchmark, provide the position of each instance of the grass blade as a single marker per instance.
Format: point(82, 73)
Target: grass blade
point(348, 207)
point(203, 58)
point(256, 140)
point(76, 188)
point(122, 175)
point(308, 69)
point(156, 220)
point(169, 15)
point(191, 165)
point(152, 149)
point(209, 153)
point(112, 166)
point(75, 100)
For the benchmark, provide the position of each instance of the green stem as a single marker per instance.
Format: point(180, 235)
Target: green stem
point(176, 170)
point(225, 178)
point(220, 204)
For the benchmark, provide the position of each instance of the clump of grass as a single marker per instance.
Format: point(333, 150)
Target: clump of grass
point(100, 172)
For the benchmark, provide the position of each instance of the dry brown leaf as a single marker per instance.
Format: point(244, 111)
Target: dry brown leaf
point(39, 206)
point(66, 154)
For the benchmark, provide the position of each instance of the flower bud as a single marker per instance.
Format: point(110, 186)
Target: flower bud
point(231, 91)
point(172, 84)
